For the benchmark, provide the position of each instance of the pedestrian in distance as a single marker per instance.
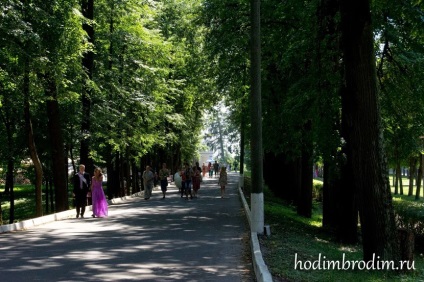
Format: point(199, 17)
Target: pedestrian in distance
point(222, 180)
point(163, 175)
point(216, 168)
point(188, 173)
point(198, 167)
point(183, 180)
point(100, 208)
point(148, 181)
point(210, 169)
point(196, 180)
point(82, 183)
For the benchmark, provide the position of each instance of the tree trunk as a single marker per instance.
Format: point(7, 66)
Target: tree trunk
point(7, 118)
point(47, 195)
point(347, 209)
point(419, 177)
point(1, 211)
point(412, 174)
point(242, 143)
point(365, 139)
point(127, 175)
point(304, 204)
point(134, 182)
point(31, 144)
point(52, 205)
point(328, 38)
point(113, 182)
point(347, 219)
point(9, 182)
point(242, 137)
point(398, 179)
point(329, 201)
point(56, 142)
point(394, 177)
point(87, 8)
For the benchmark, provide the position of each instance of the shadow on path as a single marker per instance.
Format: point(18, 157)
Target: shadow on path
point(172, 239)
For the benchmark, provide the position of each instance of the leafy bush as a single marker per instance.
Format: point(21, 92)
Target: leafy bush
point(409, 215)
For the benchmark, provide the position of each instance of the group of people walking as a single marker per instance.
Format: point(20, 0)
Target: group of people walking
point(148, 181)
point(187, 179)
point(85, 185)
point(212, 169)
point(190, 180)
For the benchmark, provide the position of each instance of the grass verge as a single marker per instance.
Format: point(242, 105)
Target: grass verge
point(294, 237)
point(24, 204)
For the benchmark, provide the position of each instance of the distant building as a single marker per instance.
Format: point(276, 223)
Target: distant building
point(206, 157)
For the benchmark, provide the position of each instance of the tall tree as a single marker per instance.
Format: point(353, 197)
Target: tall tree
point(87, 8)
point(52, 26)
point(362, 112)
point(27, 114)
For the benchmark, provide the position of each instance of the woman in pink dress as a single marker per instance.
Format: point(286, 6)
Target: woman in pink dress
point(100, 207)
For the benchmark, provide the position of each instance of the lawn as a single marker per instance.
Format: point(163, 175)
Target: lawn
point(294, 238)
point(24, 203)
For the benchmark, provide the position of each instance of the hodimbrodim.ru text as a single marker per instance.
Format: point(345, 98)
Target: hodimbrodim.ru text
point(322, 263)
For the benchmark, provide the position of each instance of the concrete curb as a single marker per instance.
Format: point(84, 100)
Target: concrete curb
point(26, 224)
point(261, 270)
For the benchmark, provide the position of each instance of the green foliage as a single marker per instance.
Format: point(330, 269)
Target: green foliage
point(400, 66)
point(410, 215)
point(227, 51)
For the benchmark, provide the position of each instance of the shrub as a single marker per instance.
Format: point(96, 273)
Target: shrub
point(409, 215)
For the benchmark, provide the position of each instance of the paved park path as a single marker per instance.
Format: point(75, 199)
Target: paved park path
point(172, 239)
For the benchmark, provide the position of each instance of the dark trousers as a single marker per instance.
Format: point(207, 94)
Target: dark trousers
point(80, 203)
point(182, 188)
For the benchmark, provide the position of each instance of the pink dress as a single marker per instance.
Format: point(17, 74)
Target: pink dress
point(100, 207)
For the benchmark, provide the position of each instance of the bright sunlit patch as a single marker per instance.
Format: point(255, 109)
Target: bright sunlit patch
point(210, 269)
point(38, 265)
point(316, 223)
point(321, 240)
point(90, 255)
point(347, 249)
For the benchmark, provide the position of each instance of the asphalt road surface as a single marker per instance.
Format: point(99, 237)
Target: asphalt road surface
point(171, 239)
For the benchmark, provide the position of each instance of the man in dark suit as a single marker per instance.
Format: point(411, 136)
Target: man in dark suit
point(82, 184)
